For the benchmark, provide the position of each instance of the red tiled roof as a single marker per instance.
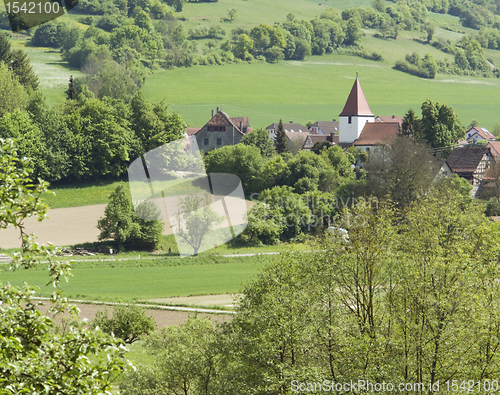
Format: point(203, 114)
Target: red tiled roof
point(356, 104)
point(289, 127)
point(376, 133)
point(192, 131)
point(484, 133)
point(222, 119)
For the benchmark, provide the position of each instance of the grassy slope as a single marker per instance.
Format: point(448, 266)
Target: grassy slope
point(133, 280)
point(316, 90)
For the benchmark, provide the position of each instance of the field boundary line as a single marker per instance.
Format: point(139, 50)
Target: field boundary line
point(152, 306)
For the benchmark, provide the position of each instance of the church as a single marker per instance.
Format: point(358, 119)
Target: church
point(359, 127)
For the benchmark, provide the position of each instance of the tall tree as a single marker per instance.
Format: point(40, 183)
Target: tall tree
point(71, 92)
point(281, 142)
point(441, 127)
point(36, 358)
point(260, 138)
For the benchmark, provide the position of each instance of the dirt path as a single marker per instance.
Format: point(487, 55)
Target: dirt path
point(162, 317)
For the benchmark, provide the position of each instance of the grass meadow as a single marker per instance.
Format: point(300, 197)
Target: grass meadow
point(145, 279)
point(317, 88)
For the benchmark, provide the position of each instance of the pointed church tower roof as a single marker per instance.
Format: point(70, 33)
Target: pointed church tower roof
point(356, 104)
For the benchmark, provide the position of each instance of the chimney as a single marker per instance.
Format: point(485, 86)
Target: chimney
point(217, 109)
point(393, 116)
point(241, 126)
point(291, 121)
point(212, 113)
point(334, 120)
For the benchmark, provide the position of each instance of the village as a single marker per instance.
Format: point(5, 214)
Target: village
point(471, 158)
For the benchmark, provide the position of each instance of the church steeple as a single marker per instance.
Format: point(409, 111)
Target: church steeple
point(355, 115)
point(356, 104)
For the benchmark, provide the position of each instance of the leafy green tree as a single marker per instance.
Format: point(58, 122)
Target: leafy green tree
point(242, 160)
point(243, 45)
point(441, 127)
point(353, 31)
point(412, 125)
point(35, 358)
point(18, 62)
point(196, 219)
point(260, 138)
point(154, 124)
point(281, 141)
point(118, 221)
point(186, 361)
point(129, 323)
point(12, 94)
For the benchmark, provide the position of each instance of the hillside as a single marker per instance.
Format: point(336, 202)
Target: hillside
point(314, 89)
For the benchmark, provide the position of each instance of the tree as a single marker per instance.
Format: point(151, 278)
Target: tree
point(118, 222)
point(403, 172)
point(186, 361)
point(441, 127)
point(232, 14)
point(71, 92)
point(319, 146)
point(245, 161)
point(36, 358)
point(430, 30)
point(18, 62)
point(12, 94)
point(129, 323)
point(412, 126)
point(121, 223)
point(243, 45)
point(196, 219)
point(260, 138)
point(281, 141)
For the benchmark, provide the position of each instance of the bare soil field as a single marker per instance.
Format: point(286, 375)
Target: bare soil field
point(204, 300)
point(162, 317)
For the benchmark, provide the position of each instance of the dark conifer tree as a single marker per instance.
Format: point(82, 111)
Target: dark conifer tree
point(71, 92)
point(281, 140)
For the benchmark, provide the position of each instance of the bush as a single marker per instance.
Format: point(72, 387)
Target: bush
point(128, 323)
point(492, 208)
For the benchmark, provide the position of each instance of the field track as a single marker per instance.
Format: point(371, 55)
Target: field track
point(162, 317)
point(64, 226)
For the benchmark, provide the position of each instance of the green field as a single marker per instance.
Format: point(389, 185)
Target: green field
point(146, 279)
point(316, 89)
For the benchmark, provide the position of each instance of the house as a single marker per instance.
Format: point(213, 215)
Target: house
point(324, 128)
point(221, 130)
point(393, 118)
point(290, 127)
point(354, 116)
point(471, 163)
point(476, 133)
point(495, 149)
point(376, 134)
point(314, 138)
point(296, 140)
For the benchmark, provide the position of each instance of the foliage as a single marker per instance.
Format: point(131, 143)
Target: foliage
point(36, 358)
point(441, 127)
point(186, 361)
point(121, 223)
point(245, 161)
point(425, 68)
point(195, 219)
point(18, 63)
point(281, 140)
point(128, 322)
point(260, 138)
point(12, 94)
point(402, 171)
point(492, 208)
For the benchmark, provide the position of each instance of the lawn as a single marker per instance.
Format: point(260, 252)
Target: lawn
point(317, 89)
point(146, 279)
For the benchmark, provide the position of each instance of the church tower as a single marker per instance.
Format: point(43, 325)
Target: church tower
point(355, 114)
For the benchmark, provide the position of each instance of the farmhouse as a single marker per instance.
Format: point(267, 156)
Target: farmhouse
point(290, 127)
point(377, 134)
point(324, 128)
point(221, 130)
point(471, 163)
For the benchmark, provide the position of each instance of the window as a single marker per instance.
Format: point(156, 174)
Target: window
point(349, 120)
point(219, 141)
point(222, 128)
point(205, 141)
